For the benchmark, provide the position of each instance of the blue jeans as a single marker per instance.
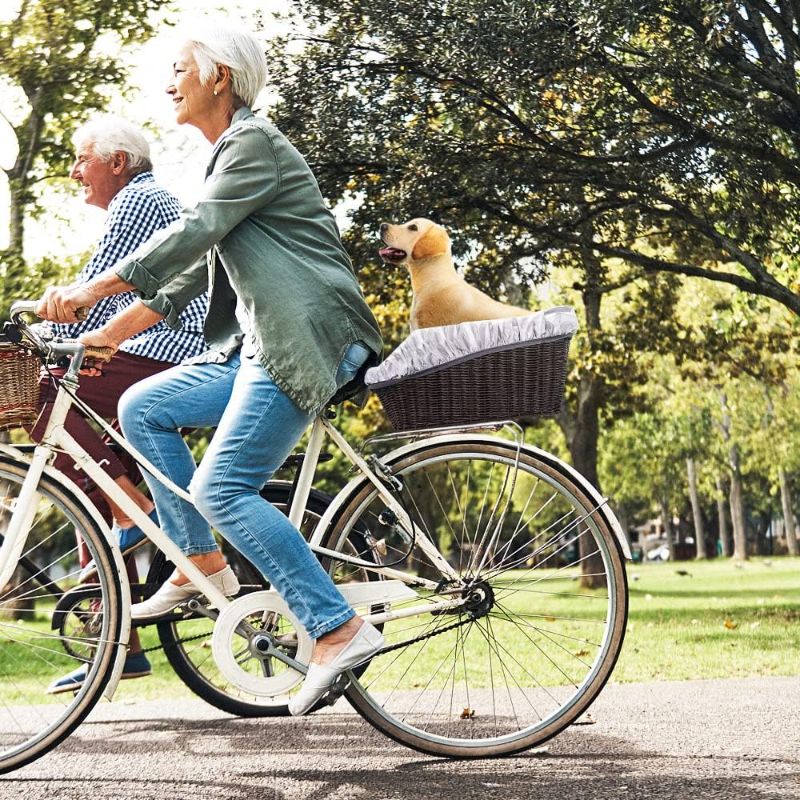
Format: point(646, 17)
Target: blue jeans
point(257, 427)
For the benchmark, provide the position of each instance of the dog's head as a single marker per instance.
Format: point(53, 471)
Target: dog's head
point(415, 240)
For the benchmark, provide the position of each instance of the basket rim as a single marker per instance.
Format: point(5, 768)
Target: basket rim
point(469, 357)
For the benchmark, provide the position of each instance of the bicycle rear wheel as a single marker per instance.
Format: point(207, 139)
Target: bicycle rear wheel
point(529, 646)
point(35, 649)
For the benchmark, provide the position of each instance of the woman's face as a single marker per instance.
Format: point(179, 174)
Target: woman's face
point(192, 101)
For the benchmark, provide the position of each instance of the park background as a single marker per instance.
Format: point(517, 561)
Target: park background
point(637, 161)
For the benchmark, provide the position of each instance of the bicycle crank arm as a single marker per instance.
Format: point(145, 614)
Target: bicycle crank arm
point(264, 645)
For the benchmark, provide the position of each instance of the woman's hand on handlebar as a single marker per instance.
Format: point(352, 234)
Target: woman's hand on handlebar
point(60, 303)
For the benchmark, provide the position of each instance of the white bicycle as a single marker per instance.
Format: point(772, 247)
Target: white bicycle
point(468, 550)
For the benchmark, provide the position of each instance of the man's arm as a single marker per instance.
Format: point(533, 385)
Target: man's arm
point(136, 318)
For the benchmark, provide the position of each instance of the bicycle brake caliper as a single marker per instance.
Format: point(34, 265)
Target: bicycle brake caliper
point(385, 473)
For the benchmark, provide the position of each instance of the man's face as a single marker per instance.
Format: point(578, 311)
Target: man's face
point(101, 180)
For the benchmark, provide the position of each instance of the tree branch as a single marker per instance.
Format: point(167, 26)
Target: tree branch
point(652, 264)
point(763, 153)
point(729, 53)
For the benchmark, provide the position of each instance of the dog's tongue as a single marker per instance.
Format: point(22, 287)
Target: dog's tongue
point(391, 254)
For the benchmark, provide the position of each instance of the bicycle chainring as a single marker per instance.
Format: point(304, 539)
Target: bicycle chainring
point(243, 634)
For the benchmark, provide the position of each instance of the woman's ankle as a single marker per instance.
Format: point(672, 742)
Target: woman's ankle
point(207, 563)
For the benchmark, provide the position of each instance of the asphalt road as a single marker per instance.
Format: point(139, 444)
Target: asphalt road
point(713, 740)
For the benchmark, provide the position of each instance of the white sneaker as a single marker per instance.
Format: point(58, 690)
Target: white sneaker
point(170, 596)
point(367, 641)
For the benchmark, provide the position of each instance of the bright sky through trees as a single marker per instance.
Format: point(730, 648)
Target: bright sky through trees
point(179, 154)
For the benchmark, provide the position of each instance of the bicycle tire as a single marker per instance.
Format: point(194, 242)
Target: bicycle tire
point(186, 643)
point(32, 656)
point(515, 665)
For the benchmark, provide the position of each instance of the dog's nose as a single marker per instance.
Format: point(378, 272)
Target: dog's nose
point(384, 227)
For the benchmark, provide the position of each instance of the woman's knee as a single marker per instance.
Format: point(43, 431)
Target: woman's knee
point(217, 499)
point(130, 408)
point(141, 406)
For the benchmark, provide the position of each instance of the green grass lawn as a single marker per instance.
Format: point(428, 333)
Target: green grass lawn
point(722, 620)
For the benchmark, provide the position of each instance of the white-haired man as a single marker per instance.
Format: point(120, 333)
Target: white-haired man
point(113, 166)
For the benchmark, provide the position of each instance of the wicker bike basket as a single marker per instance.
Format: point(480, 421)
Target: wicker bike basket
point(19, 385)
point(520, 381)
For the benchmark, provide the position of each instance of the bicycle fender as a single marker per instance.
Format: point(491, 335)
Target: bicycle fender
point(359, 481)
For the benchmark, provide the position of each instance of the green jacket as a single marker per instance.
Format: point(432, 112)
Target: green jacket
point(261, 231)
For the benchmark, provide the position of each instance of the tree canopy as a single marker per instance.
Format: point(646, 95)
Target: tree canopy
point(60, 61)
point(669, 128)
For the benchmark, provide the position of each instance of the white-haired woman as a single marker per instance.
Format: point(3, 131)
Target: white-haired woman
point(287, 326)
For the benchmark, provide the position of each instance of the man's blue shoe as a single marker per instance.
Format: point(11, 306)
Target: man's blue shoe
point(136, 666)
point(128, 538)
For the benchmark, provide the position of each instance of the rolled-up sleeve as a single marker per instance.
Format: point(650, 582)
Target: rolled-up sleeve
point(171, 300)
point(241, 181)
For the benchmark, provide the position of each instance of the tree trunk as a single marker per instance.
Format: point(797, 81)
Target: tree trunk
point(582, 432)
point(737, 507)
point(736, 494)
point(666, 523)
point(697, 515)
point(722, 513)
point(622, 517)
point(788, 513)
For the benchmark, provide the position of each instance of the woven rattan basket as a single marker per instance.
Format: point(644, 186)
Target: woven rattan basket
point(519, 381)
point(19, 385)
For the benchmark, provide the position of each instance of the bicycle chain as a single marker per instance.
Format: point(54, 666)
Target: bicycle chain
point(177, 641)
point(425, 636)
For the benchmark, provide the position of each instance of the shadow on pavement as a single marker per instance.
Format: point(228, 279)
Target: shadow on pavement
point(339, 756)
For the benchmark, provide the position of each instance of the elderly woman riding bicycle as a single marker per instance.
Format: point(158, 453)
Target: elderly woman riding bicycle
point(287, 327)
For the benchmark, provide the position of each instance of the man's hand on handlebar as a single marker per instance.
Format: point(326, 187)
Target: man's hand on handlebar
point(99, 349)
point(60, 303)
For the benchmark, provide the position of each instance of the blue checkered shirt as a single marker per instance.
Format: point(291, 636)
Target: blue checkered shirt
point(137, 211)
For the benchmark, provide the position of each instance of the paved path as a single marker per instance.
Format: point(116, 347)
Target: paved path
point(714, 740)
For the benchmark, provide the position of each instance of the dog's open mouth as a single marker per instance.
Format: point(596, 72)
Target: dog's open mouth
point(392, 254)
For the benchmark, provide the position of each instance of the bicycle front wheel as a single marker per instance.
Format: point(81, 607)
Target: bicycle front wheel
point(51, 626)
point(530, 635)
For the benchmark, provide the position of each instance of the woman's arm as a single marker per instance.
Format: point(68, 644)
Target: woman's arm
point(244, 177)
point(134, 319)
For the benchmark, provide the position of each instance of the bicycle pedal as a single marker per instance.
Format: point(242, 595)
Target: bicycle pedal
point(337, 690)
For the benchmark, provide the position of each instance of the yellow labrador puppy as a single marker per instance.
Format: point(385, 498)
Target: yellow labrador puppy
point(441, 295)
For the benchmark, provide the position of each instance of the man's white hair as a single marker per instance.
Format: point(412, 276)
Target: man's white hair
point(232, 47)
point(108, 134)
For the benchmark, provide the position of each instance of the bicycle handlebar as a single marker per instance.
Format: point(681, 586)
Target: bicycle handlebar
point(74, 350)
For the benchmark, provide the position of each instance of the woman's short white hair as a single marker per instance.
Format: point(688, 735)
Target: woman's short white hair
point(108, 134)
point(234, 48)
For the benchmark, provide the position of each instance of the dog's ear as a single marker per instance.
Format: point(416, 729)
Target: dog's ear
point(432, 243)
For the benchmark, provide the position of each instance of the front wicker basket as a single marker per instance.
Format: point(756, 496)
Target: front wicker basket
point(19, 385)
point(520, 381)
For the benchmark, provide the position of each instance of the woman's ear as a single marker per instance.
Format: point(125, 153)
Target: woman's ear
point(223, 78)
